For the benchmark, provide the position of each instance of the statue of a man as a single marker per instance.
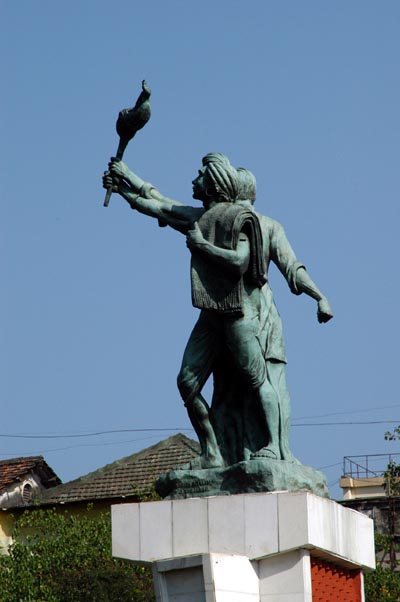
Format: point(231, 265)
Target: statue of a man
point(238, 336)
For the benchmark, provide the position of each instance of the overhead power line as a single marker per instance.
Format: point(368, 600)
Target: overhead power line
point(76, 445)
point(159, 430)
point(346, 412)
point(329, 466)
point(93, 434)
point(347, 423)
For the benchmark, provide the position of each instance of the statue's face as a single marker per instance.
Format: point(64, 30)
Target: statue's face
point(199, 189)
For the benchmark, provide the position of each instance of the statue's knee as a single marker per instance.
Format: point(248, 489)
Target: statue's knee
point(185, 387)
point(179, 382)
point(190, 389)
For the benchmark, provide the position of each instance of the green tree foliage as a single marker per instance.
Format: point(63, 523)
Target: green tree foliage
point(392, 479)
point(392, 474)
point(382, 585)
point(394, 436)
point(64, 557)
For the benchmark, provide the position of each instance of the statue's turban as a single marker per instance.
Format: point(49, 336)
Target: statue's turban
point(221, 177)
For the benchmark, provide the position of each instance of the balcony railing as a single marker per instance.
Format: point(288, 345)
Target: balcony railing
point(373, 465)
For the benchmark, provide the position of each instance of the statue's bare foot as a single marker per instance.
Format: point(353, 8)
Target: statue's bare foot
point(203, 462)
point(270, 451)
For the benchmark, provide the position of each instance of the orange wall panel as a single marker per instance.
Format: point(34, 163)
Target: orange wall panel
point(331, 582)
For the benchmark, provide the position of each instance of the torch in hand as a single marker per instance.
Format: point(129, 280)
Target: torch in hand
point(129, 122)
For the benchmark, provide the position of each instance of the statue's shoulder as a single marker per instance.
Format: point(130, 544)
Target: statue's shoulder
point(268, 224)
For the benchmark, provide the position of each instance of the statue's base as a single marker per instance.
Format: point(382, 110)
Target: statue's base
point(250, 476)
point(263, 547)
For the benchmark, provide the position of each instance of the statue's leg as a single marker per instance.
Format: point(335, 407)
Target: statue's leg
point(199, 412)
point(197, 362)
point(243, 342)
point(277, 377)
point(268, 402)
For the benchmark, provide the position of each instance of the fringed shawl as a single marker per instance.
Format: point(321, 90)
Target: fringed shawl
point(215, 287)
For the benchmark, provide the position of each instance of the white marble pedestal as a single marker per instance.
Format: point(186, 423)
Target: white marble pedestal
point(263, 547)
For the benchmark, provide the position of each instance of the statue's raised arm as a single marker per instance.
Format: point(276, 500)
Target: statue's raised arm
point(147, 199)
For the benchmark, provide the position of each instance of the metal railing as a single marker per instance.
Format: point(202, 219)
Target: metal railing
point(372, 465)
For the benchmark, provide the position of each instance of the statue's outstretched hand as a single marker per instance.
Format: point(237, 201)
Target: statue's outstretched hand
point(324, 311)
point(194, 237)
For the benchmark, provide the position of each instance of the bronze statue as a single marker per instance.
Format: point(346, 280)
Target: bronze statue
point(238, 336)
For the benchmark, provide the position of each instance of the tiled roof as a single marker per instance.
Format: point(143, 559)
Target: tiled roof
point(125, 477)
point(15, 469)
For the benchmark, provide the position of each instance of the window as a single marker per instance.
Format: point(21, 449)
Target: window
point(27, 493)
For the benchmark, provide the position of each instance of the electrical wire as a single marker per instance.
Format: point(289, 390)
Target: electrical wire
point(67, 447)
point(346, 423)
point(92, 434)
point(160, 430)
point(329, 466)
point(396, 405)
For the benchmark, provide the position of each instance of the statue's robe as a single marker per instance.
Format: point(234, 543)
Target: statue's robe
point(234, 413)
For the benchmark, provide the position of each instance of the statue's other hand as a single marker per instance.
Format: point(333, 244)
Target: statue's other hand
point(110, 182)
point(324, 311)
point(118, 168)
point(194, 237)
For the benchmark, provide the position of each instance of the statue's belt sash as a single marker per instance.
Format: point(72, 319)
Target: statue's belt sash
point(213, 286)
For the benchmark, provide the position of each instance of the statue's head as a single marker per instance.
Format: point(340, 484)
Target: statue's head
point(217, 181)
point(247, 185)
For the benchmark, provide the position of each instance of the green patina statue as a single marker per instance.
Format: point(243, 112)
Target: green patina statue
point(244, 433)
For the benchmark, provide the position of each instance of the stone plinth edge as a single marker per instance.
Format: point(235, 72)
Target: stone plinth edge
point(252, 525)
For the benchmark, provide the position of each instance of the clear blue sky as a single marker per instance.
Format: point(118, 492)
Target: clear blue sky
point(96, 302)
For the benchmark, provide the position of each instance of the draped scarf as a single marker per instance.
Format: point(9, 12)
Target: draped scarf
point(215, 287)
